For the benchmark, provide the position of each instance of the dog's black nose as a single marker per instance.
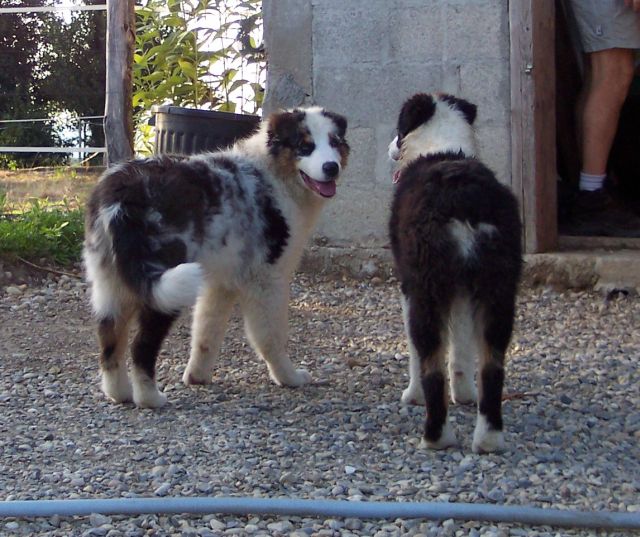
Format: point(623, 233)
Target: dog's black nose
point(331, 169)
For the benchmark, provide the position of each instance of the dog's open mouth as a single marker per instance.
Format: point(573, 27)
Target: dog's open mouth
point(396, 176)
point(327, 189)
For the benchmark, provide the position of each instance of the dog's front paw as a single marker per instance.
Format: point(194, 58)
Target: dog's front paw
point(117, 386)
point(486, 439)
point(147, 395)
point(194, 377)
point(447, 439)
point(298, 377)
point(413, 395)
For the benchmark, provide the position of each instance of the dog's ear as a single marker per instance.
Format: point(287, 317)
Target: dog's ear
point(469, 110)
point(416, 111)
point(340, 122)
point(283, 129)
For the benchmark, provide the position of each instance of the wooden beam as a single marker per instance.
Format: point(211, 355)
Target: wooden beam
point(118, 121)
point(533, 140)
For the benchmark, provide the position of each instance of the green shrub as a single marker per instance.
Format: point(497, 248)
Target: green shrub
point(42, 230)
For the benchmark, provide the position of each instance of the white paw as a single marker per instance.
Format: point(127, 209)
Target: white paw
point(193, 376)
point(486, 440)
point(447, 439)
point(299, 377)
point(147, 395)
point(463, 390)
point(413, 395)
point(116, 385)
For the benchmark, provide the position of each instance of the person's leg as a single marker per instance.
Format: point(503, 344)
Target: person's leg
point(611, 73)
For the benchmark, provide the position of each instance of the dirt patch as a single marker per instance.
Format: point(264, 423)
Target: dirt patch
point(20, 272)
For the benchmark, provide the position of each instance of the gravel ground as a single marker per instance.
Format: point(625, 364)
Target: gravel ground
point(572, 418)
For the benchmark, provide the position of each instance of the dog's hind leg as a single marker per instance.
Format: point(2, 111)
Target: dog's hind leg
point(498, 323)
point(113, 333)
point(210, 318)
point(427, 331)
point(153, 327)
point(113, 309)
point(464, 348)
point(265, 312)
point(413, 394)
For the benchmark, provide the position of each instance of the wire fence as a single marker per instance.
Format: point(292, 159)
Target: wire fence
point(81, 150)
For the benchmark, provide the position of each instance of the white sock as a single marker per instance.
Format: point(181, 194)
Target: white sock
point(591, 182)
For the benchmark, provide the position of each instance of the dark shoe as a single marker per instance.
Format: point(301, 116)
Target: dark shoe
point(599, 214)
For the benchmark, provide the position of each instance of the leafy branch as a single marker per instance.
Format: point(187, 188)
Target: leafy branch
point(198, 53)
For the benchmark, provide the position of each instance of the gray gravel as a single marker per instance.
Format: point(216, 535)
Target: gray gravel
point(572, 418)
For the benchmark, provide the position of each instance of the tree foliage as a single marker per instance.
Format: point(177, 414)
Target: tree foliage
point(49, 63)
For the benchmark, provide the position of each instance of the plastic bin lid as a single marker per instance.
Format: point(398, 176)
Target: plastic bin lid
point(207, 114)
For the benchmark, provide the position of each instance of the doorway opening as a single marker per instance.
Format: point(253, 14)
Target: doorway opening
point(613, 220)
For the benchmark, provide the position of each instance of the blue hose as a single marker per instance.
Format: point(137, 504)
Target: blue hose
point(533, 516)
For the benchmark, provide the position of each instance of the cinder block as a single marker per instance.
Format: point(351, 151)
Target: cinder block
point(288, 41)
point(486, 83)
point(373, 5)
point(354, 33)
point(360, 172)
point(417, 77)
point(283, 91)
point(356, 218)
point(494, 148)
point(365, 93)
point(417, 33)
point(384, 166)
point(476, 30)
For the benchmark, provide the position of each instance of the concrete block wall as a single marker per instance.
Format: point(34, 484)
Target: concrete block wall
point(362, 58)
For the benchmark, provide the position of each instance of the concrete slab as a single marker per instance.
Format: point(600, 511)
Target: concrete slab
point(597, 269)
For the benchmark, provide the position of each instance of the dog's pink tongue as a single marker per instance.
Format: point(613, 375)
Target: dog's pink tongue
point(396, 177)
point(326, 189)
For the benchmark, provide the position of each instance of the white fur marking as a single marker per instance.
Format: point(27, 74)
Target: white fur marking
point(463, 351)
point(178, 287)
point(446, 131)
point(486, 440)
point(413, 394)
point(145, 391)
point(109, 213)
point(320, 127)
point(265, 316)
point(209, 323)
point(447, 439)
point(465, 234)
point(394, 151)
point(116, 384)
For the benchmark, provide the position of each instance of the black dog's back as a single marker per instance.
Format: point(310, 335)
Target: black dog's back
point(434, 193)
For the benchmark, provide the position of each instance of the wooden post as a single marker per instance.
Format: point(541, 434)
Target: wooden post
point(118, 122)
point(533, 138)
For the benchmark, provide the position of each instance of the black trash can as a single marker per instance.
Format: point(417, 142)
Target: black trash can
point(187, 131)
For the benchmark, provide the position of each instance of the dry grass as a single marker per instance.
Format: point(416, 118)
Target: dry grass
point(56, 185)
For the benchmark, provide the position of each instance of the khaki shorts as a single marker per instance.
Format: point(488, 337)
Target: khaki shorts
point(605, 24)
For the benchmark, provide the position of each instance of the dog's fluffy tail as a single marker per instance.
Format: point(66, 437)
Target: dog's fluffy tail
point(118, 236)
point(177, 288)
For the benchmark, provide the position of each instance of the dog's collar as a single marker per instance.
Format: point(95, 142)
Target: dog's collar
point(432, 157)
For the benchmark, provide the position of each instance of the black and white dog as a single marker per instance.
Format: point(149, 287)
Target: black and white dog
point(455, 236)
point(218, 228)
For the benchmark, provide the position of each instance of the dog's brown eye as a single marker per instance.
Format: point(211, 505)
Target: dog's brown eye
point(305, 148)
point(335, 141)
